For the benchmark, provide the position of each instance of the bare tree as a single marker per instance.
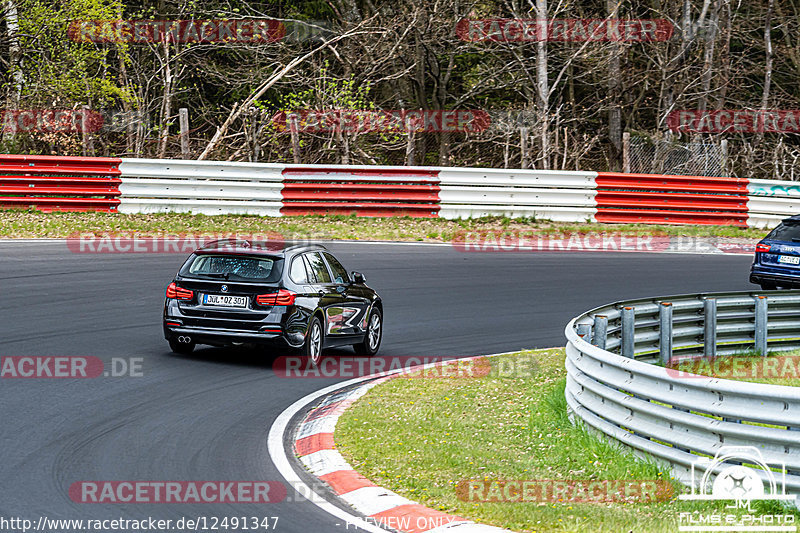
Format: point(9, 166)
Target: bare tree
point(767, 64)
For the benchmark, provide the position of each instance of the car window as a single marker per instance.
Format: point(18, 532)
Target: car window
point(233, 267)
point(785, 232)
point(298, 270)
point(318, 267)
point(339, 272)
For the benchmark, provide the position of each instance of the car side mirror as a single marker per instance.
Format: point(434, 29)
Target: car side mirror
point(358, 277)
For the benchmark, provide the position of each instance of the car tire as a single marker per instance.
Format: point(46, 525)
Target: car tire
point(768, 286)
point(312, 348)
point(373, 336)
point(181, 347)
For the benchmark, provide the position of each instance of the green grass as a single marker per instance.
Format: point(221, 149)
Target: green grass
point(420, 437)
point(30, 224)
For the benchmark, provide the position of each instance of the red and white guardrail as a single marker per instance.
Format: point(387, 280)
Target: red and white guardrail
point(52, 183)
point(209, 187)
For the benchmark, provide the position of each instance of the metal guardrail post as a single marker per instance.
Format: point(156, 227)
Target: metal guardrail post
point(710, 327)
point(665, 332)
point(600, 331)
point(585, 332)
point(761, 325)
point(628, 332)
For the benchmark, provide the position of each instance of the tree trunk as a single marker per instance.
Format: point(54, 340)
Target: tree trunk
point(166, 103)
point(183, 119)
point(614, 111)
point(725, 58)
point(542, 82)
point(14, 95)
point(410, 144)
point(708, 57)
point(523, 146)
point(293, 130)
point(767, 68)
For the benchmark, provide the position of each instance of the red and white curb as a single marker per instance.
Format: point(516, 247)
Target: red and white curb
point(376, 506)
point(315, 447)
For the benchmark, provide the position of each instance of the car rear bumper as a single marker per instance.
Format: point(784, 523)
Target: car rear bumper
point(780, 276)
point(274, 328)
point(224, 336)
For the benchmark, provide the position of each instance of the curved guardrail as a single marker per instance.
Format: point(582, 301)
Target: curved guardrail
point(622, 379)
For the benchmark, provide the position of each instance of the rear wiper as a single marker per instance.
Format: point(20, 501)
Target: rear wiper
point(216, 274)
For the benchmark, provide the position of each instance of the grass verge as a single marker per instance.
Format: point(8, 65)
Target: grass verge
point(420, 437)
point(32, 224)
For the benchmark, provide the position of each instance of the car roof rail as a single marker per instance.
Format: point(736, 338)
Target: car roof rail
point(244, 243)
point(292, 245)
point(273, 246)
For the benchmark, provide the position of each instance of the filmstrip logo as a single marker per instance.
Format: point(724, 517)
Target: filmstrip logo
point(741, 475)
point(177, 492)
point(68, 367)
point(182, 243)
point(564, 30)
point(737, 368)
point(298, 367)
point(735, 121)
point(561, 491)
point(382, 121)
point(51, 120)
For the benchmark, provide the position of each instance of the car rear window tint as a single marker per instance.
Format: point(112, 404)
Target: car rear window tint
point(785, 232)
point(234, 267)
point(318, 267)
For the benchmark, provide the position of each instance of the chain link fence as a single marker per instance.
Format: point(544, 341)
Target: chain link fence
point(660, 156)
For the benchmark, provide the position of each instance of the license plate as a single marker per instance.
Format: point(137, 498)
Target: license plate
point(225, 300)
point(789, 259)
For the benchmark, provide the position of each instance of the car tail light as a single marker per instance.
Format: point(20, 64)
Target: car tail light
point(282, 297)
point(762, 247)
point(179, 293)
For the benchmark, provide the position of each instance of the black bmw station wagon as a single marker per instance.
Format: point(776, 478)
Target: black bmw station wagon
point(233, 291)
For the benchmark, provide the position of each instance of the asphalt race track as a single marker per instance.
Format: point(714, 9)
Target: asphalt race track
point(206, 417)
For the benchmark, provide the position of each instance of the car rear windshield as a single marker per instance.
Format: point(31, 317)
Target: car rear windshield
point(786, 233)
point(233, 267)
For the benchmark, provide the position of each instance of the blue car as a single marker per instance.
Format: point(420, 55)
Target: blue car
point(777, 261)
